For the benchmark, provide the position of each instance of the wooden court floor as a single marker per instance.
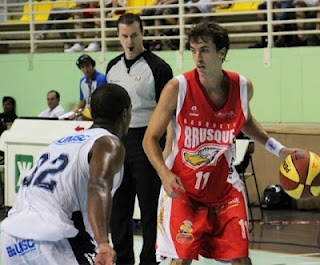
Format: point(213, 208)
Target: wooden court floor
point(281, 237)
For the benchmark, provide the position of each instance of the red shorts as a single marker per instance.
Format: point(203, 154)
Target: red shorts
point(187, 229)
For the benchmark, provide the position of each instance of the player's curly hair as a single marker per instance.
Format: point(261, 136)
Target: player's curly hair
point(108, 101)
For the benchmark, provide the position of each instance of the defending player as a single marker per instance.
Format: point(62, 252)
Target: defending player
point(77, 172)
point(208, 107)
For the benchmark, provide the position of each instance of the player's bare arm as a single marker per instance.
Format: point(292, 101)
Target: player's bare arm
point(77, 109)
point(168, 145)
point(159, 121)
point(107, 157)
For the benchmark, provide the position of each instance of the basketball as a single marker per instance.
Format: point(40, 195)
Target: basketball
point(86, 115)
point(300, 174)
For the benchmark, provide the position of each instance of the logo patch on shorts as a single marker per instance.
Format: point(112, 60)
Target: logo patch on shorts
point(21, 247)
point(185, 232)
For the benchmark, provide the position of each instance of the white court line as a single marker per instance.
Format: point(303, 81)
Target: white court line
point(301, 255)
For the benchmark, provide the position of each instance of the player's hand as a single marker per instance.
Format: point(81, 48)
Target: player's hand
point(106, 255)
point(172, 184)
point(284, 152)
point(75, 115)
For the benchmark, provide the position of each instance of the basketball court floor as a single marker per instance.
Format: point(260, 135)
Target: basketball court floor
point(258, 257)
point(282, 237)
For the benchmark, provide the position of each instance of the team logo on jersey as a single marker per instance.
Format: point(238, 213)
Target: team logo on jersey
point(21, 247)
point(138, 79)
point(202, 156)
point(23, 163)
point(185, 232)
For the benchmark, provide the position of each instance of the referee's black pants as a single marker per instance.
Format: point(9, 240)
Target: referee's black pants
point(139, 178)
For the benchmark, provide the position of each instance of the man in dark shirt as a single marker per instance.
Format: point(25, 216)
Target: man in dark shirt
point(143, 74)
point(9, 113)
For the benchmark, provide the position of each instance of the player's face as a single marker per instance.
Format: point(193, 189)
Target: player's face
point(205, 56)
point(131, 39)
point(52, 100)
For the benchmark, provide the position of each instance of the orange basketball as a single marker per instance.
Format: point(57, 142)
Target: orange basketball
point(300, 174)
point(86, 115)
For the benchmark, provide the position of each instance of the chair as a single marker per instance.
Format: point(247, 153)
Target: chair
point(240, 6)
point(245, 168)
point(1, 185)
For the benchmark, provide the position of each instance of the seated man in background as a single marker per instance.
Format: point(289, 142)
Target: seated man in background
point(9, 113)
point(7, 117)
point(191, 7)
point(279, 15)
point(301, 39)
point(54, 110)
point(93, 12)
point(158, 10)
point(63, 14)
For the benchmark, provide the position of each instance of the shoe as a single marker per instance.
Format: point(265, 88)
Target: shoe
point(171, 32)
point(279, 44)
point(296, 42)
point(40, 36)
point(313, 41)
point(66, 46)
point(155, 45)
point(172, 44)
point(256, 45)
point(92, 47)
point(75, 48)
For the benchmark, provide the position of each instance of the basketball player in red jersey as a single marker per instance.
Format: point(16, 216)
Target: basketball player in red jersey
point(202, 208)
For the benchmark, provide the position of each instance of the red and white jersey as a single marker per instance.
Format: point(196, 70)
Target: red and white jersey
point(203, 148)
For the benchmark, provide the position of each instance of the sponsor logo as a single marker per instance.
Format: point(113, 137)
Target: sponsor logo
point(194, 111)
point(23, 163)
point(72, 139)
point(223, 208)
point(184, 238)
point(227, 115)
point(185, 232)
point(162, 207)
point(21, 247)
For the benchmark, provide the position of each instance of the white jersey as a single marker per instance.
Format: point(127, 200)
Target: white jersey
point(55, 187)
point(51, 113)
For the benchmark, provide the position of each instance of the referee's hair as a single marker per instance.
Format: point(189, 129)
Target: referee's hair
point(129, 19)
point(108, 102)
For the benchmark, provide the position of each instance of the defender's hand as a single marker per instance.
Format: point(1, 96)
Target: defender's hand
point(106, 255)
